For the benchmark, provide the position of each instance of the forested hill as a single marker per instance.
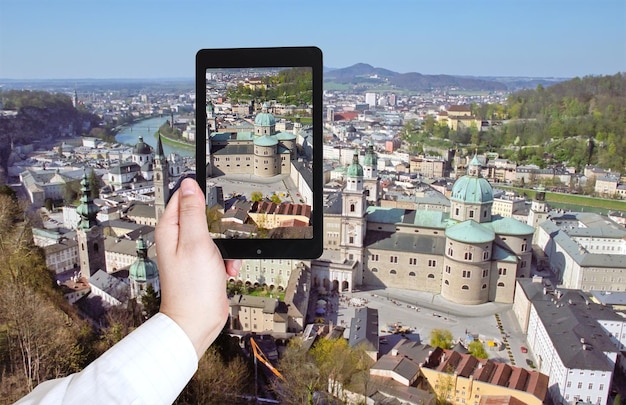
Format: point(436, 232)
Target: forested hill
point(573, 98)
point(579, 122)
point(40, 116)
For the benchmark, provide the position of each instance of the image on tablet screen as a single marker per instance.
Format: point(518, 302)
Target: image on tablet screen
point(259, 152)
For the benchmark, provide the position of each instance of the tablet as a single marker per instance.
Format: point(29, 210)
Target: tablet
point(259, 150)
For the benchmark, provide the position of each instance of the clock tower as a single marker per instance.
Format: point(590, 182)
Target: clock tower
point(353, 224)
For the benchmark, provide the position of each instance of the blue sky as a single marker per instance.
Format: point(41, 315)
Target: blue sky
point(159, 38)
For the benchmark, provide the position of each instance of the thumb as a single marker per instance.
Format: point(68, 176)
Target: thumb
point(192, 213)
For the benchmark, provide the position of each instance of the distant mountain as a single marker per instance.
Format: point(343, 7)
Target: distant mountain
point(367, 76)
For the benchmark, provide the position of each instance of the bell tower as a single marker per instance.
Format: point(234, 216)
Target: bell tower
point(353, 209)
point(89, 233)
point(161, 181)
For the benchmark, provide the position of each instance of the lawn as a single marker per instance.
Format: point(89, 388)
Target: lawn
point(585, 201)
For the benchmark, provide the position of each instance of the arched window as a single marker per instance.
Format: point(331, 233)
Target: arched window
point(446, 282)
point(484, 286)
point(431, 275)
point(412, 274)
point(465, 287)
point(392, 272)
point(374, 270)
point(501, 284)
point(351, 207)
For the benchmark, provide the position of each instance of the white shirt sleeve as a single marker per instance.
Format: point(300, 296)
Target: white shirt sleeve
point(149, 366)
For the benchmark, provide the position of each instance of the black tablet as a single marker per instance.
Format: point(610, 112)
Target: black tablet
point(259, 150)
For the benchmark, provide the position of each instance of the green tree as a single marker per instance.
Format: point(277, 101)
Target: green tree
point(95, 183)
point(354, 360)
point(444, 386)
point(477, 349)
point(441, 338)
point(256, 196)
point(151, 301)
point(275, 199)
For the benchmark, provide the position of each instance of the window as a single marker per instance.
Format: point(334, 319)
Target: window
point(351, 239)
point(412, 274)
point(502, 271)
point(485, 272)
point(448, 269)
point(467, 274)
point(465, 287)
point(524, 247)
point(393, 259)
point(413, 261)
point(468, 255)
point(456, 211)
point(485, 255)
point(569, 384)
point(446, 282)
point(471, 214)
point(484, 286)
point(352, 208)
point(392, 272)
point(374, 258)
point(431, 275)
point(432, 263)
point(590, 386)
point(374, 270)
point(450, 252)
point(601, 387)
point(500, 284)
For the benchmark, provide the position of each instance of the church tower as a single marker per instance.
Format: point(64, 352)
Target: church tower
point(370, 176)
point(538, 208)
point(89, 234)
point(353, 224)
point(161, 180)
point(143, 272)
point(211, 126)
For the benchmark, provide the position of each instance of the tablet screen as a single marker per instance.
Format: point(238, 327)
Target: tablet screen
point(259, 153)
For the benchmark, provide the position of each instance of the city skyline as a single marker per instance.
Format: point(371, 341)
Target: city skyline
point(70, 39)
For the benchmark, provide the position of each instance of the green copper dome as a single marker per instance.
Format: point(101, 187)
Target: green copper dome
point(266, 140)
point(142, 148)
point(472, 190)
point(264, 119)
point(371, 159)
point(510, 226)
point(143, 269)
point(286, 136)
point(470, 232)
point(355, 169)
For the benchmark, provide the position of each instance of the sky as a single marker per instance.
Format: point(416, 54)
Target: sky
point(71, 39)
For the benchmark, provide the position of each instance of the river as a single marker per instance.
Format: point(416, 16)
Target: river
point(147, 128)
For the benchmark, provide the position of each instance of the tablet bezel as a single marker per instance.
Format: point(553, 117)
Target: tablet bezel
point(266, 58)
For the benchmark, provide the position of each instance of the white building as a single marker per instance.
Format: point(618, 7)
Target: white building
point(586, 251)
point(566, 336)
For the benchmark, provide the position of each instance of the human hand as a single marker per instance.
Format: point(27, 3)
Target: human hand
point(191, 269)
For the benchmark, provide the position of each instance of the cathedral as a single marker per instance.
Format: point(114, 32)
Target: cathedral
point(263, 152)
point(468, 255)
